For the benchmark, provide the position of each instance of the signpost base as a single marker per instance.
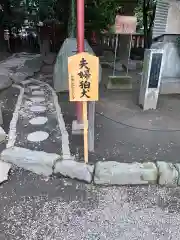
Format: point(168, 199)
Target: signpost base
point(85, 132)
point(77, 128)
point(91, 121)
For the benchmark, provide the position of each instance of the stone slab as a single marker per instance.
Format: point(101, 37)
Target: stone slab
point(18, 77)
point(75, 170)
point(114, 173)
point(5, 81)
point(168, 174)
point(34, 63)
point(28, 71)
point(36, 161)
point(2, 135)
point(122, 83)
point(4, 170)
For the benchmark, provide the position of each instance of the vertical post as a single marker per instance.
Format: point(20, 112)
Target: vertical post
point(85, 132)
point(91, 117)
point(115, 55)
point(72, 20)
point(80, 46)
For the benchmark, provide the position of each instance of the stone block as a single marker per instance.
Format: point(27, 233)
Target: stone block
point(114, 173)
point(2, 135)
point(75, 170)
point(36, 161)
point(168, 174)
point(4, 170)
point(119, 83)
point(34, 63)
point(25, 70)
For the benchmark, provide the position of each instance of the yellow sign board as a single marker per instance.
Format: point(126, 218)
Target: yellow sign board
point(83, 70)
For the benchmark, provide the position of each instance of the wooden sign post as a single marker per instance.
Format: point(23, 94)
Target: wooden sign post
point(83, 71)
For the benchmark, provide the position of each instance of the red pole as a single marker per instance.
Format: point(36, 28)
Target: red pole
point(80, 46)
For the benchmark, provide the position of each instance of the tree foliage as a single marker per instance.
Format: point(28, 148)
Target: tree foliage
point(101, 13)
point(145, 12)
point(12, 13)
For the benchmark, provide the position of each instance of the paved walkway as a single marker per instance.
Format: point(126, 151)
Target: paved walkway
point(134, 135)
point(37, 136)
point(125, 133)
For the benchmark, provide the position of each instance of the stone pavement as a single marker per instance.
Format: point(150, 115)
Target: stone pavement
point(8, 96)
point(37, 137)
point(31, 114)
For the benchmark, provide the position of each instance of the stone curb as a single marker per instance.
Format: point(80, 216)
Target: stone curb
point(114, 173)
point(39, 162)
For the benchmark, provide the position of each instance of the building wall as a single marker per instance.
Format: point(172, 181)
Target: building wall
point(173, 18)
point(167, 21)
point(162, 8)
point(171, 59)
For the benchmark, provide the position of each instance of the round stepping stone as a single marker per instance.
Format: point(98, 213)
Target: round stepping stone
point(38, 109)
point(37, 99)
point(40, 93)
point(34, 87)
point(37, 136)
point(38, 120)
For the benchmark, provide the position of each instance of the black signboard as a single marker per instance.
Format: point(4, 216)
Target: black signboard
point(155, 70)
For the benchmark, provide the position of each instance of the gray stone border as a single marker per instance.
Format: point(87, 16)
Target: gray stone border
point(114, 173)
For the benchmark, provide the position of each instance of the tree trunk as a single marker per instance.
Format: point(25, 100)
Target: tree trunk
point(3, 47)
point(145, 24)
point(148, 23)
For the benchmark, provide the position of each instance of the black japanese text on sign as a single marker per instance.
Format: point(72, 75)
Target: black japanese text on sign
point(83, 70)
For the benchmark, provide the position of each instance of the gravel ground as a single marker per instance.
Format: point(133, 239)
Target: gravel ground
point(35, 208)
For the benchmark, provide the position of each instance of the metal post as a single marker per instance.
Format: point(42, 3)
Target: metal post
point(80, 46)
point(72, 20)
point(91, 120)
point(115, 55)
point(129, 54)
